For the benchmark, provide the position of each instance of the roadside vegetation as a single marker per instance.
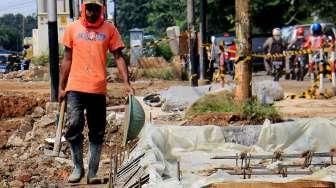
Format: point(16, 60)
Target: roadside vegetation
point(223, 102)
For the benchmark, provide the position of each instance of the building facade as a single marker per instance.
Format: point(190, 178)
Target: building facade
point(40, 35)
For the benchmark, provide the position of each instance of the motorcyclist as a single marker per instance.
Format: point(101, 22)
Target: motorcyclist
point(330, 45)
point(297, 44)
point(273, 45)
point(315, 43)
point(221, 75)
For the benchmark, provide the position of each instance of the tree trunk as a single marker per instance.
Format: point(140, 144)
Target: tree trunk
point(192, 42)
point(243, 73)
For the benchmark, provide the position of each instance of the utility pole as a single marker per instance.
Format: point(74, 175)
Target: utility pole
point(105, 5)
point(192, 42)
point(71, 9)
point(202, 52)
point(53, 49)
point(76, 9)
point(115, 12)
point(23, 29)
point(243, 67)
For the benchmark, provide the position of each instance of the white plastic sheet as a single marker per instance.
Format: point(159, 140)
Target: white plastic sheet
point(194, 146)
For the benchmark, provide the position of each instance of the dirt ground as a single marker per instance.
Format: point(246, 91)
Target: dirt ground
point(18, 99)
point(302, 108)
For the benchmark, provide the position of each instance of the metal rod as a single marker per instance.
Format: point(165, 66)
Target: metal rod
point(131, 176)
point(322, 154)
point(143, 180)
point(115, 171)
point(111, 178)
point(126, 170)
point(136, 160)
point(179, 171)
point(301, 172)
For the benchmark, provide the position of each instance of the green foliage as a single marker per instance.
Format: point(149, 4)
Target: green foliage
point(11, 30)
point(131, 14)
point(110, 60)
point(8, 38)
point(163, 50)
point(166, 73)
point(224, 102)
point(155, 15)
point(42, 60)
point(254, 110)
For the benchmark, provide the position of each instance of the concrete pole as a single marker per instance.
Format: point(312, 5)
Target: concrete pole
point(76, 9)
point(243, 68)
point(23, 29)
point(53, 49)
point(202, 54)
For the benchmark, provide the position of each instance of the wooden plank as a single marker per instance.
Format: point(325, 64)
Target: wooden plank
point(120, 108)
point(296, 184)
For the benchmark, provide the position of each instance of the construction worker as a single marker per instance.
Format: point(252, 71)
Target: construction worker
point(83, 83)
point(26, 57)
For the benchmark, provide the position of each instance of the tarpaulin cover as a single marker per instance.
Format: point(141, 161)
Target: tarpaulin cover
point(194, 146)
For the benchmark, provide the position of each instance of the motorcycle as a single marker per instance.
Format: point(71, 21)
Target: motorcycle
point(300, 69)
point(299, 62)
point(277, 67)
point(318, 58)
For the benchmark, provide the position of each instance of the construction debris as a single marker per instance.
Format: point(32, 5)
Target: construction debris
point(34, 73)
point(267, 91)
point(314, 93)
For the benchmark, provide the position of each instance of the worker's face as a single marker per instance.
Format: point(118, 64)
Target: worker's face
point(92, 12)
point(277, 37)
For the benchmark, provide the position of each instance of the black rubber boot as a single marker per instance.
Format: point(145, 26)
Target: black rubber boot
point(77, 159)
point(94, 158)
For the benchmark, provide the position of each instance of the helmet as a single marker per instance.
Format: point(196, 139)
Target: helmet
point(316, 29)
point(276, 32)
point(300, 32)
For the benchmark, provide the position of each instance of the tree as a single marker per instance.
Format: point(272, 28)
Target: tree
point(11, 30)
point(243, 67)
point(164, 14)
point(131, 14)
point(155, 15)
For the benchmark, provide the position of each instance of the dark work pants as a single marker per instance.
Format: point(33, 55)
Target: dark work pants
point(95, 106)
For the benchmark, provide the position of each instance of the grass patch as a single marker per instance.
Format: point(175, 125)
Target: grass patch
point(166, 73)
point(42, 60)
point(223, 102)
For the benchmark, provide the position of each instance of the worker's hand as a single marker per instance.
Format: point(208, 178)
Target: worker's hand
point(61, 95)
point(130, 89)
